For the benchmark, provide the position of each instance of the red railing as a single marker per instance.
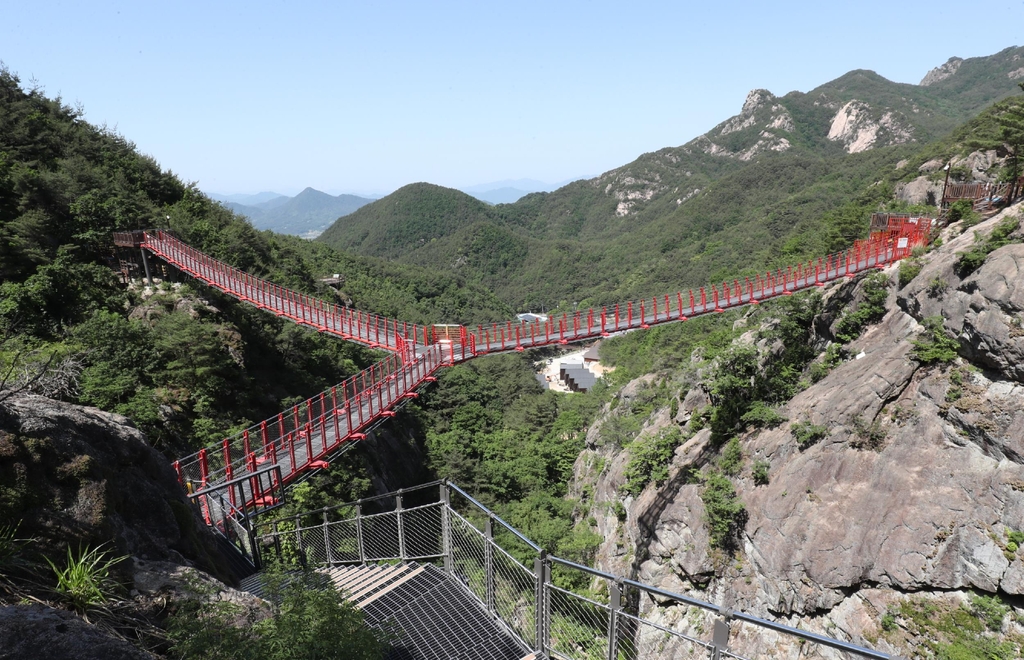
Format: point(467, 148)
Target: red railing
point(882, 248)
point(354, 325)
point(302, 437)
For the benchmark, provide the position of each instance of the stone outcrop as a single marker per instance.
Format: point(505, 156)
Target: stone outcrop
point(78, 476)
point(857, 128)
point(843, 531)
point(74, 477)
point(35, 631)
point(942, 72)
point(922, 190)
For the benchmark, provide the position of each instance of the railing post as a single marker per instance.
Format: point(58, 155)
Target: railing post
point(277, 542)
point(253, 531)
point(298, 541)
point(401, 531)
point(720, 636)
point(145, 264)
point(327, 541)
point(542, 571)
point(359, 532)
point(446, 527)
point(489, 562)
point(615, 605)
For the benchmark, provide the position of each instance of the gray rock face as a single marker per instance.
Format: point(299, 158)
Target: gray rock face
point(942, 72)
point(41, 633)
point(77, 476)
point(841, 531)
point(921, 190)
point(985, 310)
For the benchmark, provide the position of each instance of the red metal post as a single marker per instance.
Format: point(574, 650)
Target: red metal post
point(204, 468)
point(227, 452)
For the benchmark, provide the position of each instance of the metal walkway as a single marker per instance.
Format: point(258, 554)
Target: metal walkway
point(429, 615)
point(453, 580)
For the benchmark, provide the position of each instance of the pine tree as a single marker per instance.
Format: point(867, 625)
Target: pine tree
point(1011, 131)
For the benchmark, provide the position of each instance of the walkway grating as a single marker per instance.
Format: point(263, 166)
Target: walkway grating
point(428, 614)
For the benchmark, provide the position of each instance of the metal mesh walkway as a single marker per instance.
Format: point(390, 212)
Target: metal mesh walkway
point(428, 614)
point(481, 589)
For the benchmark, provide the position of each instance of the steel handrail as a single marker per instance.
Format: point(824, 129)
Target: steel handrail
point(494, 516)
point(722, 611)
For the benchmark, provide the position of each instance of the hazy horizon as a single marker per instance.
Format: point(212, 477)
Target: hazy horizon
point(365, 98)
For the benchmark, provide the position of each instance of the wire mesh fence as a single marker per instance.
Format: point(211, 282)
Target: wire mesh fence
point(578, 626)
point(313, 542)
point(515, 595)
point(380, 536)
point(639, 639)
point(344, 541)
point(422, 531)
point(562, 609)
point(468, 555)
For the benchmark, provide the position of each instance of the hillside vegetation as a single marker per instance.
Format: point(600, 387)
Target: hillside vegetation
point(751, 193)
point(695, 415)
point(186, 364)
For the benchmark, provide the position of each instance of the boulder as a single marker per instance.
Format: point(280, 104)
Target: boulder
point(78, 477)
point(41, 633)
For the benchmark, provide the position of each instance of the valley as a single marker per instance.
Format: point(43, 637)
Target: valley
point(842, 460)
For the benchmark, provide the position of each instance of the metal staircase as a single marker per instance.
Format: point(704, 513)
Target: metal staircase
point(450, 579)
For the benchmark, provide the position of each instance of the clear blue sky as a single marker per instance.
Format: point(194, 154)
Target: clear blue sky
point(368, 96)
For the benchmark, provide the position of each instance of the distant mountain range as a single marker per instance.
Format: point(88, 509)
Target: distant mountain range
point(306, 215)
point(310, 212)
point(788, 176)
point(510, 191)
point(248, 200)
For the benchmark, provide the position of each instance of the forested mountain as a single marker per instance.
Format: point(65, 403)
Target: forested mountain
point(831, 421)
point(751, 190)
point(186, 365)
point(306, 215)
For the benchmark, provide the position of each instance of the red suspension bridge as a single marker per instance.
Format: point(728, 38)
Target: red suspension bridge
point(307, 436)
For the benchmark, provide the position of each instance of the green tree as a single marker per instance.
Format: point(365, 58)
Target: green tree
point(1011, 130)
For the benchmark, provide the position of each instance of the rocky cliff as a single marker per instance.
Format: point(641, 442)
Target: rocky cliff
point(910, 501)
point(75, 477)
point(72, 478)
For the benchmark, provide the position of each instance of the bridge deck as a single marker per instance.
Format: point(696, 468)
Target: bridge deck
point(304, 437)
